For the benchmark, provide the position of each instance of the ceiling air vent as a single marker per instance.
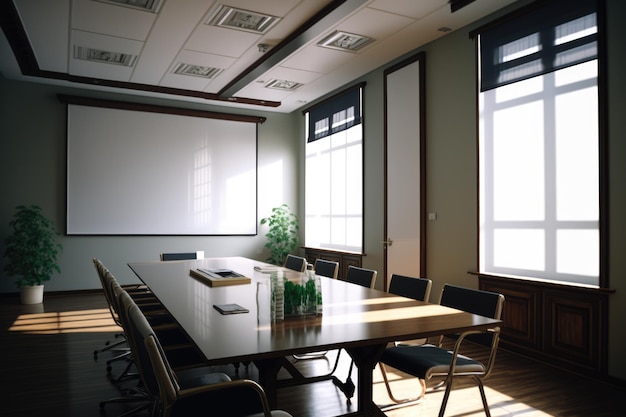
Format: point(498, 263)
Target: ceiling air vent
point(104, 57)
point(344, 41)
point(283, 85)
point(146, 5)
point(240, 19)
point(196, 70)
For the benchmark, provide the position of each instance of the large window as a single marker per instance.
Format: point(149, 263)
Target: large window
point(539, 145)
point(334, 174)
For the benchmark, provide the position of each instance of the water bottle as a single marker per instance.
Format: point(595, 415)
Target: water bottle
point(278, 296)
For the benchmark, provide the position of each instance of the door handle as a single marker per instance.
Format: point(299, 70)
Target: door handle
point(387, 242)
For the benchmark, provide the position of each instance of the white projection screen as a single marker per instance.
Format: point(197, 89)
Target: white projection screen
point(152, 173)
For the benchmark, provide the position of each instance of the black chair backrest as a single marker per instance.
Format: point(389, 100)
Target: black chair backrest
point(483, 303)
point(410, 287)
point(296, 263)
point(103, 273)
point(361, 276)
point(326, 268)
point(179, 256)
point(137, 330)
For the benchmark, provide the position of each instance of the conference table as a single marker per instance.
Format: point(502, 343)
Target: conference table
point(360, 320)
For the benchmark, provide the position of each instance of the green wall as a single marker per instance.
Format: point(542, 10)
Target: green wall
point(32, 166)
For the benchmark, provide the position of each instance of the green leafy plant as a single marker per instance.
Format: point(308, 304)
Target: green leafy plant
point(31, 249)
point(282, 237)
point(301, 298)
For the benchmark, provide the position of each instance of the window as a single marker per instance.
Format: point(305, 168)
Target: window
point(334, 174)
point(539, 145)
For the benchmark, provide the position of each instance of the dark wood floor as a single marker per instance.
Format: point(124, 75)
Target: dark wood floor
point(48, 369)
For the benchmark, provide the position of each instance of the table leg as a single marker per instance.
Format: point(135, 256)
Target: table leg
point(268, 377)
point(365, 359)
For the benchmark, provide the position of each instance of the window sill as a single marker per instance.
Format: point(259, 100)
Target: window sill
point(546, 283)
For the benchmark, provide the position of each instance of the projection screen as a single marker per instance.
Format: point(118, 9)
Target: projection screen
point(150, 173)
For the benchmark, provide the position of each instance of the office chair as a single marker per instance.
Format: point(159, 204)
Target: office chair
point(147, 392)
point(181, 256)
point(365, 278)
point(326, 268)
point(410, 287)
point(428, 361)
point(192, 392)
point(119, 347)
point(116, 346)
point(361, 276)
point(296, 263)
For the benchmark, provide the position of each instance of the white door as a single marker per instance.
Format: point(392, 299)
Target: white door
point(404, 206)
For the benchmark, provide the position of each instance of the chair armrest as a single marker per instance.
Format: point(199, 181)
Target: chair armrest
point(463, 336)
point(239, 384)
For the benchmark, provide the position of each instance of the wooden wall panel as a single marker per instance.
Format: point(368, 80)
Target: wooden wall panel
point(521, 314)
point(344, 259)
point(565, 326)
point(573, 328)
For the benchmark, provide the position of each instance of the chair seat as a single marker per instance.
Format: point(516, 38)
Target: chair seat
point(275, 413)
point(427, 359)
point(196, 377)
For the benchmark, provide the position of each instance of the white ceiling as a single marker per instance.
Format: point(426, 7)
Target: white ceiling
point(177, 33)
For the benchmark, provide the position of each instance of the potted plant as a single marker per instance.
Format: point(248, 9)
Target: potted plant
point(282, 237)
point(32, 251)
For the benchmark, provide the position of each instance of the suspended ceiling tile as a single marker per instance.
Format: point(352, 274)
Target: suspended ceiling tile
point(259, 87)
point(410, 8)
point(48, 36)
point(113, 20)
point(194, 82)
point(272, 7)
point(291, 74)
point(177, 21)
point(374, 24)
point(317, 59)
point(108, 44)
point(98, 70)
point(258, 90)
point(234, 43)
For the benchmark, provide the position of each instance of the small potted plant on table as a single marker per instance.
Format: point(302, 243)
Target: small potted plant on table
point(32, 251)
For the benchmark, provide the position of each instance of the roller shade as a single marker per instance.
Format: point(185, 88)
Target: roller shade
point(553, 36)
point(339, 113)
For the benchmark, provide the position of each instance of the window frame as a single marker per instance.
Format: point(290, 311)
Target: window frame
point(331, 106)
point(603, 279)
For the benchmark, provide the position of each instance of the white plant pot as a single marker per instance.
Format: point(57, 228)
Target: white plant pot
point(31, 294)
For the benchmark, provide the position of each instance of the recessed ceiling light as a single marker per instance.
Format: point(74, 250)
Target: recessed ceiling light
point(283, 85)
point(105, 57)
point(239, 19)
point(196, 70)
point(344, 41)
point(147, 5)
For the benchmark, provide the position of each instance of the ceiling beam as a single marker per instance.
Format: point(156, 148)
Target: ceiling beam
point(11, 25)
point(325, 19)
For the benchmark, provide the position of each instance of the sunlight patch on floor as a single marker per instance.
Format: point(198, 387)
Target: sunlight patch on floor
point(464, 401)
point(80, 321)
